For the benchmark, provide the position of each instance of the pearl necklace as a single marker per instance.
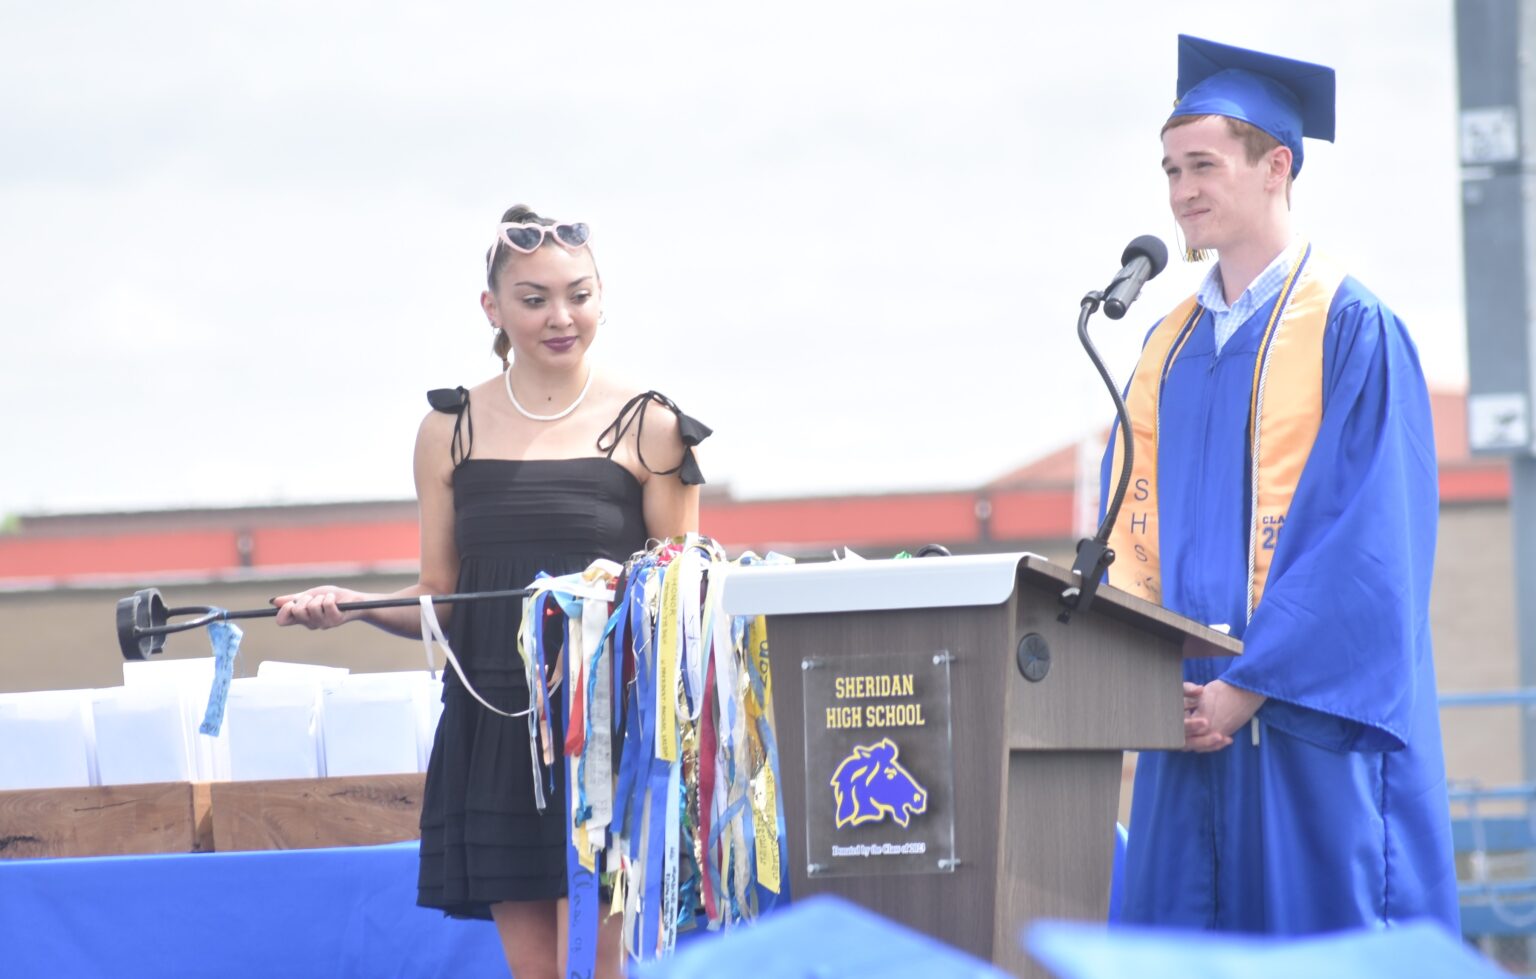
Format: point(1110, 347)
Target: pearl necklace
point(507, 377)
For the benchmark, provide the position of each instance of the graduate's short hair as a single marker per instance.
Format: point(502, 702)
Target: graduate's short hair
point(1256, 142)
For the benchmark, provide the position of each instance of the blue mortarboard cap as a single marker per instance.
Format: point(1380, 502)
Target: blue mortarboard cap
point(1072, 950)
point(1286, 98)
point(822, 936)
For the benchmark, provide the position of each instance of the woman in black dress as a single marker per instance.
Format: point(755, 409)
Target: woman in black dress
point(547, 466)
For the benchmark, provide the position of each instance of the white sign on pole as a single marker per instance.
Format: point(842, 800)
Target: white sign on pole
point(1498, 421)
point(1490, 135)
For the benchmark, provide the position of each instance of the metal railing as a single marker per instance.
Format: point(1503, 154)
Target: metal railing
point(1495, 906)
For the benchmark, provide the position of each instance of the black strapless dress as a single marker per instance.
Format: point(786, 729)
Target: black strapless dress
point(483, 839)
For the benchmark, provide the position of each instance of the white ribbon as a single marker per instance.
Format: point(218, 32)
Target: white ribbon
point(598, 777)
point(691, 571)
point(669, 878)
point(432, 632)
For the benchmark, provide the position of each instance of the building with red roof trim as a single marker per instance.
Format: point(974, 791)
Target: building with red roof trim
point(1036, 506)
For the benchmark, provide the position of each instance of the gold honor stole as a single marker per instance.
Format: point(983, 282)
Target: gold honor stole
point(1283, 420)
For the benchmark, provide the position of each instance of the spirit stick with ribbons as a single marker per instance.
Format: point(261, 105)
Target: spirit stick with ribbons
point(669, 751)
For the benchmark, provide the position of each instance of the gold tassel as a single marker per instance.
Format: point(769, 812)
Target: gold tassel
point(1190, 254)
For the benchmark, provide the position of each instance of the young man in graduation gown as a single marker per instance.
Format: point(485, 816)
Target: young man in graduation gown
point(1284, 487)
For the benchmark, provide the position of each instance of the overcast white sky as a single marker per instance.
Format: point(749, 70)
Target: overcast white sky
point(238, 242)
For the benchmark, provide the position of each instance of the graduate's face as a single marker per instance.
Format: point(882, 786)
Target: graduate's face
point(1218, 197)
point(549, 303)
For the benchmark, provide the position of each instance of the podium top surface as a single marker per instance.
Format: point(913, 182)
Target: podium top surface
point(945, 582)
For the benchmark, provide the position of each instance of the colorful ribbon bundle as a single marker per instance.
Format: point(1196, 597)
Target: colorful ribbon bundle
point(670, 759)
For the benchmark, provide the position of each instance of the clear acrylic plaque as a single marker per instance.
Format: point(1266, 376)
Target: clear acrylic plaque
point(879, 761)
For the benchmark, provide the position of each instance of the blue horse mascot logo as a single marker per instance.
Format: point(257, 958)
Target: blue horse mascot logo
point(869, 785)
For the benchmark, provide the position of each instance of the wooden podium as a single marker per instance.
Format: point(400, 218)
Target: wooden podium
point(950, 752)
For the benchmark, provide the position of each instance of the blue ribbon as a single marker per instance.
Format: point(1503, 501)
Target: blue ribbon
point(629, 767)
point(644, 778)
point(581, 887)
point(630, 756)
point(224, 637)
point(726, 818)
point(650, 926)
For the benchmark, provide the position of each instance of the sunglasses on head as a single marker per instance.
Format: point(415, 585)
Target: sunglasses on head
point(526, 237)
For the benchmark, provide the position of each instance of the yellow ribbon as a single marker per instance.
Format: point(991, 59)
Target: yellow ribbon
point(764, 792)
point(669, 647)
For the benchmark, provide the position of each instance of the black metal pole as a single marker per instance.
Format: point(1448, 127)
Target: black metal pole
point(221, 615)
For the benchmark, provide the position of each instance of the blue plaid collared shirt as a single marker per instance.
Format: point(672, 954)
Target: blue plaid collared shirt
point(1258, 294)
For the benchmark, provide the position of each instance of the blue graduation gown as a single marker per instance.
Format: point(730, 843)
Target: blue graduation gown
point(1338, 818)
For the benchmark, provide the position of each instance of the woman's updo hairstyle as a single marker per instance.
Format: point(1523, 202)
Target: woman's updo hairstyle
point(516, 214)
point(499, 255)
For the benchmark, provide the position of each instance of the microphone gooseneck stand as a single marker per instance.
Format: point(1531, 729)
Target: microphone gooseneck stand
point(1094, 555)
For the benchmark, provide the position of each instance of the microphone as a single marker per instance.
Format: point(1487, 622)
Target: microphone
point(1141, 260)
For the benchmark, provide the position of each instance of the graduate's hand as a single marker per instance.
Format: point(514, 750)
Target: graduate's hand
point(1198, 735)
point(1215, 711)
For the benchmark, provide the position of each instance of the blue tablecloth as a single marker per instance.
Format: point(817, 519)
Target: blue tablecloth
point(343, 912)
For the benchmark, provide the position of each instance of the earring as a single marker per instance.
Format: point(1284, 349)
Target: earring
point(602, 318)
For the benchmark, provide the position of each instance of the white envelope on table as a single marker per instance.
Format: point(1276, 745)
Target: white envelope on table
point(141, 735)
point(192, 679)
point(373, 723)
point(54, 727)
point(273, 728)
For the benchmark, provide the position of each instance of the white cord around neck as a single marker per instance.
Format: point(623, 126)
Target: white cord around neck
point(507, 376)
